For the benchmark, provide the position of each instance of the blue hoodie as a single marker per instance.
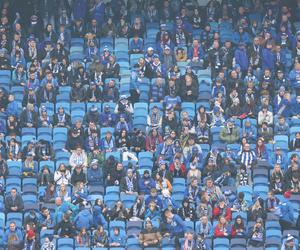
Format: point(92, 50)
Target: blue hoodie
point(120, 238)
point(83, 219)
point(286, 211)
point(13, 108)
point(268, 59)
point(145, 185)
point(98, 217)
point(241, 58)
point(176, 226)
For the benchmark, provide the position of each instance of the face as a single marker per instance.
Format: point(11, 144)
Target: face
point(13, 193)
point(12, 226)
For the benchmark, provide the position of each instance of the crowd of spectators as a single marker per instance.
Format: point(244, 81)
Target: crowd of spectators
point(149, 124)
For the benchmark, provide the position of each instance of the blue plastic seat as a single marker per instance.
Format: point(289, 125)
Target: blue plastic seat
point(50, 164)
point(14, 217)
point(78, 106)
point(112, 190)
point(77, 115)
point(63, 243)
point(111, 199)
point(221, 242)
point(128, 200)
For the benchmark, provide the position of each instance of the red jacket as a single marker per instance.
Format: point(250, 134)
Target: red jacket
point(217, 212)
point(182, 169)
point(220, 233)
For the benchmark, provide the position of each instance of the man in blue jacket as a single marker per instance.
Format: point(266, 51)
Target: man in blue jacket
point(175, 226)
point(18, 238)
point(286, 216)
point(95, 174)
point(83, 219)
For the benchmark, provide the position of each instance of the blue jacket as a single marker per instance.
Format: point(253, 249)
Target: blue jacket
point(294, 74)
point(136, 45)
point(241, 58)
point(268, 59)
point(145, 185)
point(286, 211)
point(282, 160)
point(80, 9)
point(200, 52)
point(13, 108)
point(95, 176)
point(156, 199)
point(176, 226)
point(153, 215)
point(98, 217)
point(83, 219)
point(241, 38)
point(120, 238)
point(295, 107)
point(8, 232)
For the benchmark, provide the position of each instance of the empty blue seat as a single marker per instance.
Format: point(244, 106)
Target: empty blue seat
point(63, 243)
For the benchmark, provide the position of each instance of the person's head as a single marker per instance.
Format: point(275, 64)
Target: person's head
point(209, 182)
point(13, 192)
point(116, 230)
point(148, 224)
point(152, 205)
point(153, 192)
point(108, 135)
point(129, 173)
point(241, 196)
point(58, 201)
point(169, 214)
point(12, 226)
point(222, 220)
point(247, 147)
point(238, 220)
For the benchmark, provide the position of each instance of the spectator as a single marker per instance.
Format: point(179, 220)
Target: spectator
point(150, 237)
point(257, 236)
point(230, 133)
point(222, 229)
point(117, 238)
point(14, 202)
point(100, 238)
point(13, 237)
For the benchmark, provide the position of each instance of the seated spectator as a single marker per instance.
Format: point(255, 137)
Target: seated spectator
point(204, 227)
point(240, 205)
point(78, 176)
point(78, 92)
point(78, 158)
point(186, 212)
point(49, 196)
point(261, 151)
point(257, 236)
point(150, 237)
point(238, 228)
point(146, 183)
point(28, 117)
point(222, 210)
point(30, 167)
point(257, 210)
point(222, 229)
point(138, 141)
point(117, 238)
point(265, 116)
point(95, 173)
point(108, 142)
point(94, 93)
point(266, 132)
point(63, 193)
point(44, 151)
point(13, 150)
point(14, 201)
point(153, 212)
point(289, 242)
point(177, 168)
point(45, 176)
point(138, 209)
point(13, 237)
point(112, 68)
point(136, 45)
point(129, 184)
point(61, 118)
point(30, 240)
point(47, 244)
point(100, 238)
point(281, 127)
point(62, 175)
point(167, 200)
point(230, 134)
point(107, 118)
point(180, 54)
point(278, 157)
point(65, 227)
point(295, 143)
